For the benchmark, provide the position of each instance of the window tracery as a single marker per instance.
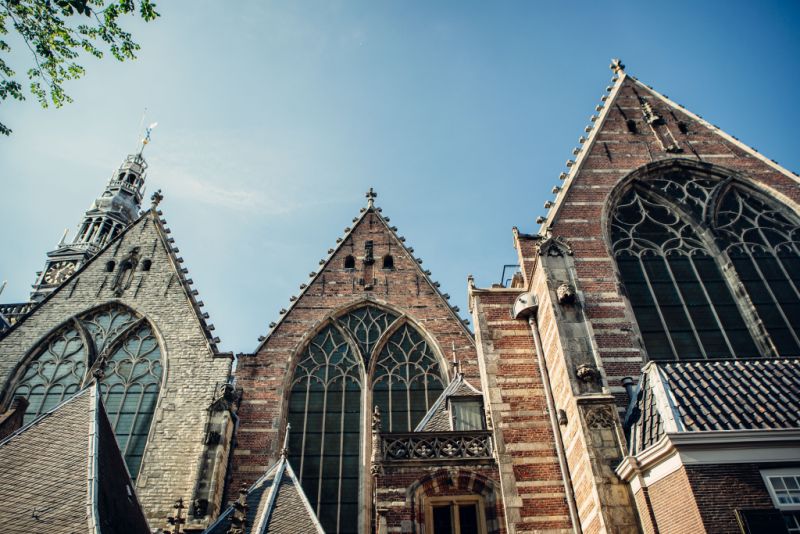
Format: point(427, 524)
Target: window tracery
point(331, 387)
point(366, 324)
point(113, 346)
point(407, 380)
point(671, 270)
point(325, 416)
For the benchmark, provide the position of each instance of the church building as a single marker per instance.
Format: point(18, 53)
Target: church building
point(640, 371)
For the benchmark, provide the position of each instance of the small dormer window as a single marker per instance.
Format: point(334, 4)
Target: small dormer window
point(146, 264)
point(110, 267)
point(388, 262)
point(350, 262)
point(467, 413)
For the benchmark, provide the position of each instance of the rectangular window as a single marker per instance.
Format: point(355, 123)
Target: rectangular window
point(456, 515)
point(784, 488)
point(467, 414)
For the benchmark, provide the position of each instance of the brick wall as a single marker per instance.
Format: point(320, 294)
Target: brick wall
point(406, 290)
point(720, 489)
point(532, 483)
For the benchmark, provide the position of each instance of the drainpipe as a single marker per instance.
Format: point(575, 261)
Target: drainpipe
point(551, 409)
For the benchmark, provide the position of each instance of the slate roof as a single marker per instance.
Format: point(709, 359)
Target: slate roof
point(438, 417)
point(276, 504)
point(726, 395)
point(63, 474)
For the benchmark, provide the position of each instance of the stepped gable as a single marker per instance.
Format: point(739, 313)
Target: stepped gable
point(50, 467)
point(140, 270)
point(276, 503)
point(403, 288)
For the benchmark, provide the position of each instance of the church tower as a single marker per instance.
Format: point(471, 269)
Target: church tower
point(116, 208)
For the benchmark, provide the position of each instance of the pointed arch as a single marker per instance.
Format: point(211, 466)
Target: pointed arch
point(110, 344)
point(325, 414)
point(684, 235)
point(406, 377)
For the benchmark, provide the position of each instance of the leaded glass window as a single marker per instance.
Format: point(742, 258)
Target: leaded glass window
point(407, 380)
point(672, 272)
point(331, 389)
point(325, 418)
point(122, 347)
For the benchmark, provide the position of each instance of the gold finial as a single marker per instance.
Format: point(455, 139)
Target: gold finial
point(617, 66)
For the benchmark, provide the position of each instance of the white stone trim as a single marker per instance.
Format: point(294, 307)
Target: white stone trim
point(677, 449)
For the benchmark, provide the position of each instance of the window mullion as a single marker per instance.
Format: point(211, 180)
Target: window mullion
point(685, 307)
point(702, 285)
point(772, 295)
point(658, 308)
point(322, 435)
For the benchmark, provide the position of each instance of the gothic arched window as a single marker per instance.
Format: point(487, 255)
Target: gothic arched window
point(331, 390)
point(113, 346)
point(682, 240)
point(407, 380)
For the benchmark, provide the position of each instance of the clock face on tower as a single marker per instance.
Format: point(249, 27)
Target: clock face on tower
point(58, 272)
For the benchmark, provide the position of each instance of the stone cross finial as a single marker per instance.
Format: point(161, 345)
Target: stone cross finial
point(156, 198)
point(617, 66)
point(177, 520)
point(371, 196)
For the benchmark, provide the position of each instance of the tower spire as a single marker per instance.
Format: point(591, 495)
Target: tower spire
point(116, 207)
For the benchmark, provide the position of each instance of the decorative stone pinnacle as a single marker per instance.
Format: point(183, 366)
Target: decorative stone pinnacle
point(156, 198)
point(285, 449)
point(617, 66)
point(371, 196)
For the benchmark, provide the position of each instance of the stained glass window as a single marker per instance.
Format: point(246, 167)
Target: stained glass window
point(131, 363)
point(673, 277)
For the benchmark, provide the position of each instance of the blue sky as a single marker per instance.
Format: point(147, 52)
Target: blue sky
point(275, 117)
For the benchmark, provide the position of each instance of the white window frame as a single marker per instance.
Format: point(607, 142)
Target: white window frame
point(780, 472)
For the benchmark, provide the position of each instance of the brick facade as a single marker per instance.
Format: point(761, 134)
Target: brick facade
point(407, 291)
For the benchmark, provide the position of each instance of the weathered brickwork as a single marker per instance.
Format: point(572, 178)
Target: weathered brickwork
point(192, 367)
point(533, 488)
point(405, 289)
point(671, 493)
point(589, 338)
point(582, 212)
point(720, 489)
point(404, 493)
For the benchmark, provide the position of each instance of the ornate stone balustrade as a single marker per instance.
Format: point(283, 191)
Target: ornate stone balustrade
point(437, 446)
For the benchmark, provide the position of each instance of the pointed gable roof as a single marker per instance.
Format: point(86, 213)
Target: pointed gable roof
point(63, 473)
point(438, 417)
point(276, 504)
point(151, 216)
point(621, 81)
point(398, 241)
